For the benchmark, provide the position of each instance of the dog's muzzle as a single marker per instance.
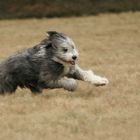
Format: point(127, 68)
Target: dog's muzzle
point(72, 62)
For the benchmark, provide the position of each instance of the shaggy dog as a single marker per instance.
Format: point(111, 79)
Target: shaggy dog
point(50, 64)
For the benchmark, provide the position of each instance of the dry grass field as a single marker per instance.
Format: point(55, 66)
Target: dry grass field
point(109, 44)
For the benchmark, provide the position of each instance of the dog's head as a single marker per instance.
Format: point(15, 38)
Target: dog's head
point(63, 47)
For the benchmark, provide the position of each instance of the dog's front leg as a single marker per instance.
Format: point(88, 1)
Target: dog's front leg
point(66, 83)
point(80, 74)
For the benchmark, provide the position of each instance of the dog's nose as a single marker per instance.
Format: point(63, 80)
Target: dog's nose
point(74, 57)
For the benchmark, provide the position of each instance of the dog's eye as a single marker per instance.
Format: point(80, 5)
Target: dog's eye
point(65, 50)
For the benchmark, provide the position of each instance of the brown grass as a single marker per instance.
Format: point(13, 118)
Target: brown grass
point(110, 45)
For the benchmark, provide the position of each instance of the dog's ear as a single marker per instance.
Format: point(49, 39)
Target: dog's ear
point(48, 45)
point(51, 33)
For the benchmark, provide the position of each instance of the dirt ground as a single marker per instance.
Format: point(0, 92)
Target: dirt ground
point(109, 44)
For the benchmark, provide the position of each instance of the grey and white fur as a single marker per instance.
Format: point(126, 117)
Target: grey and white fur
point(50, 64)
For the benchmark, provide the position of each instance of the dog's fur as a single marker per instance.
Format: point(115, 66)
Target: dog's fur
point(50, 64)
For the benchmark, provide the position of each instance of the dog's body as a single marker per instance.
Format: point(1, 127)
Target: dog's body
point(50, 64)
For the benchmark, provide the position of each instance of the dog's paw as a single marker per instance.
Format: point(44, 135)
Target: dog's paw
point(101, 81)
point(70, 85)
point(95, 79)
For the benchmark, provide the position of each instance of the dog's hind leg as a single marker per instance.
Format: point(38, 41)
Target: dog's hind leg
point(66, 83)
point(35, 89)
point(80, 74)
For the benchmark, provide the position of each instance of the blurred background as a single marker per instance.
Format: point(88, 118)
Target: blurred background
point(58, 8)
point(109, 44)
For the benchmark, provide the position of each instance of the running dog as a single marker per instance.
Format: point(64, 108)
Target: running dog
point(50, 64)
